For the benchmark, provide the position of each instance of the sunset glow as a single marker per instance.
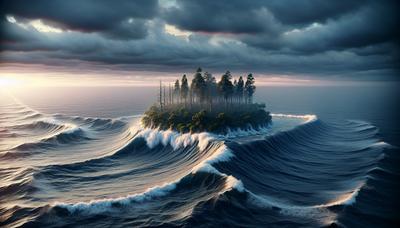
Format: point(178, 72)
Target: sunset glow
point(7, 82)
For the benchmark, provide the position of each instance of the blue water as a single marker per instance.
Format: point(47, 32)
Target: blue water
point(78, 157)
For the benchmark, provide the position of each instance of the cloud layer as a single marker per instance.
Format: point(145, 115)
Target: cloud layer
point(351, 39)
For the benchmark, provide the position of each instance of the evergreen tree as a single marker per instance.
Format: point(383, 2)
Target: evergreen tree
point(177, 90)
point(184, 88)
point(225, 86)
point(240, 89)
point(234, 93)
point(198, 86)
point(208, 78)
point(250, 88)
point(211, 88)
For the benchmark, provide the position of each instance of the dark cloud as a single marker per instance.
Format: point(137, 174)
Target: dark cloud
point(373, 24)
point(310, 11)
point(109, 17)
point(264, 24)
point(222, 16)
point(309, 37)
point(256, 16)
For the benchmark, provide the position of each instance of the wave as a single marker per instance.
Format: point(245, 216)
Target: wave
point(99, 206)
point(72, 135)
point(64, 135)
point(39, 125)
point(31, 116)
point(5, 133)
point(224, 154)
point(98, 124)
point(299, 166)
point(153, 138)
point(15, 190)
point(17, 184)
point(153, 193)
point(292, 163)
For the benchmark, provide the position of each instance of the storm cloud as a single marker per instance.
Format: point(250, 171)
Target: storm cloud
point(122, 18)
point(357, 39)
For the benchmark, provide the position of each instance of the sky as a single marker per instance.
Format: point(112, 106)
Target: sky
point(134, 42)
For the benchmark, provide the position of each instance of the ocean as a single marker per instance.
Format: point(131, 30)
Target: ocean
point(78, 157)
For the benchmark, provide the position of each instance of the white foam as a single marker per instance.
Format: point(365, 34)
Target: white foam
point(381, 144)
point(223, 153)
point(103, 205)
point(207, 168)
point(345, 199)
point(176, 140)
point(233, 183)
point(307, 118)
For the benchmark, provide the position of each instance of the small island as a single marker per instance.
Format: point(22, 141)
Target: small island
point(207, 105)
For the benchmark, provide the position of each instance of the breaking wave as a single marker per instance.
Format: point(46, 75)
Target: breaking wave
point(298, 171)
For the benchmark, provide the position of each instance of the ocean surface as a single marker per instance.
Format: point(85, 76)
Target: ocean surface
point(78, 157)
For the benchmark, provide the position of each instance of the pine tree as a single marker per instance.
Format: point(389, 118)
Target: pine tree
point(177, 91)
point(225, 86)
point(211, 88)
point(240, 89)
point(250, 88)
point(199, 86)
point(184, 88)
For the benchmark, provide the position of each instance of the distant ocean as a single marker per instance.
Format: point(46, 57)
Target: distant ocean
point(78, 157)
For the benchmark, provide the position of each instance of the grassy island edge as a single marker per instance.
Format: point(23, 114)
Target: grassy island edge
point(183, 120)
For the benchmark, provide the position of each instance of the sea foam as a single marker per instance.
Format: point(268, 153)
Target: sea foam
point(307, 118)
point(103, 205)
point(155, 137)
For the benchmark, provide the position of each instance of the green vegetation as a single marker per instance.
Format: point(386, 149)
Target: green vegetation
point(207, 105)
point(184, 120)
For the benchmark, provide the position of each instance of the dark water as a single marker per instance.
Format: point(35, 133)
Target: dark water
point(78, 157)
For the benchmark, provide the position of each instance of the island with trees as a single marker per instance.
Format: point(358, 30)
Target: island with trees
point(207, 105)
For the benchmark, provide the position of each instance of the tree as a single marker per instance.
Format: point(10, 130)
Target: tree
point(203, 92)
point(160, 96)
point(234, 94)
point(209, 78)
point(240, 89)
point(250, 88)
point(198, 86)
point(199, 121)
point(211, 88)
point(177, 90)
point(225, 86)
point(184, 88)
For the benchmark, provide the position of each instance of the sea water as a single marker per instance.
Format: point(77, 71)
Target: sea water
point(78, 156)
